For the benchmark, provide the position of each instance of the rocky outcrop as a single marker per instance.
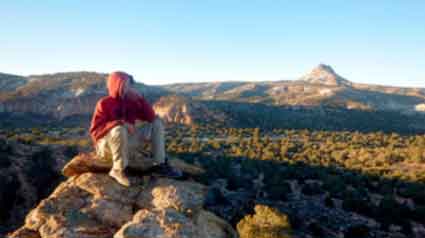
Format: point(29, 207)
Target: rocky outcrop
point(90, 205)
point(178, 109)
point(324, 74)
point(87, 162)
point(420, 107)
point(175, 110)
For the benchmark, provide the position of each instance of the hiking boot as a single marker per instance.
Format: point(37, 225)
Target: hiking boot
point(120, 177)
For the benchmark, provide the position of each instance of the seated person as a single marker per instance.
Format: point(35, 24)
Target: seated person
point(112, 127)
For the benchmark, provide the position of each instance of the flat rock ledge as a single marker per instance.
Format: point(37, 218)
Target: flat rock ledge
point(87, 162)
point(90, 204)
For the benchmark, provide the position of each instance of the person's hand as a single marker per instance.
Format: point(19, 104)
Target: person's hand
point(130, 128)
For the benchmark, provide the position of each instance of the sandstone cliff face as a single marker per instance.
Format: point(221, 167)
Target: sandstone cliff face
point(178, 109)
point(58, 108)
point(174, 109)
point(70, 94)
point(90, 205)
point(322, 86)
point(57, 95)
point(61, 95)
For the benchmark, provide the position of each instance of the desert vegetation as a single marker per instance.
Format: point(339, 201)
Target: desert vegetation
point(374, 175)
point(379, 176)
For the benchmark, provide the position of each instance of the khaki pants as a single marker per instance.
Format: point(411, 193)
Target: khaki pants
point(122, 147)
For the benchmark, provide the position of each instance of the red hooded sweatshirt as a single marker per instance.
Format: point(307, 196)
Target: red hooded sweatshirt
point(116, 109)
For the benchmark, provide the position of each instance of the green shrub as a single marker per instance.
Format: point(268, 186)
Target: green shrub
point(267, 222)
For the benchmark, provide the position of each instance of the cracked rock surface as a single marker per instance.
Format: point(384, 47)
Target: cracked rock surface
point(93, 205)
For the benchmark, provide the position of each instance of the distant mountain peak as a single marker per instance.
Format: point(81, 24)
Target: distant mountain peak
point(325, 67)
point(326, 75)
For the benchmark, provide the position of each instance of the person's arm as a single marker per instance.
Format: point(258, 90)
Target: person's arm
point(101, 120)
point(98, 118)
point(144, 110)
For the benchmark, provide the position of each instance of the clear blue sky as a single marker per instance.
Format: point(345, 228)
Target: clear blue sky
point(381, 42)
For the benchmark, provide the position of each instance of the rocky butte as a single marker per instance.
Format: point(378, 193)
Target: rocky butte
point(90, 204)
point(324, 74)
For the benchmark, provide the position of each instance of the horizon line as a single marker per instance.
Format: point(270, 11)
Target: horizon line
point(294, 78)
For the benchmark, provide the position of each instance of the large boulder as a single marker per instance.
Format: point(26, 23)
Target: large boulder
point(165, 193)
point(93, 205)
point(86, 162)
point(171, 223)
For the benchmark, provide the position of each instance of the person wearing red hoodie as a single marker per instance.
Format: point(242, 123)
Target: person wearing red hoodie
point(112, 126)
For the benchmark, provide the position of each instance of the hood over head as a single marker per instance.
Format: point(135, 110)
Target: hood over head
point(115, 84)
